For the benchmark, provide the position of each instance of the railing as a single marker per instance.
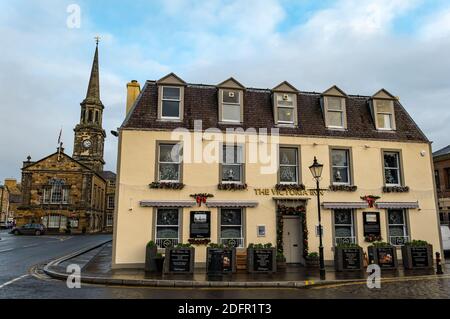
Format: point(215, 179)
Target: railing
point(398, 240)
point(166, 242)
point(232, 242)
point(345, 240)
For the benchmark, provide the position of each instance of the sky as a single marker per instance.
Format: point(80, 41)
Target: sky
point(360, 45)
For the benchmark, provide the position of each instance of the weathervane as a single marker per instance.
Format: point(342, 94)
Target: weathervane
point(97, 39)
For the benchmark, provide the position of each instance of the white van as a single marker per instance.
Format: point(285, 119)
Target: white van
point(445, 233)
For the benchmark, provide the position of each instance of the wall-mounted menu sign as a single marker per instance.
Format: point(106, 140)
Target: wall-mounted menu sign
point(200, 225)
point(351, 259)
point(419, 256)
point(180, 260)
point(371, 223)
point(263, 259)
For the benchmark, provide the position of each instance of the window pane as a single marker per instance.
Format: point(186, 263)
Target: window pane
point(232, 154)
point(167, 232)
point(285, 114)
point(288, 156)
point(230, 96)
point(230, 232)
point(384, 106)
point(171, 93)
point(231, 173)
point(384, 121)
point(396, 231)
point(169, 153)
point(339, 157)
point(230, 217)
point(167, 217)
point(288, 174)
point(391, 160)
point(342, 217)
point(334, 103)
point(343, 231)
point(340, 175)
point(168, 172)
point(391, 176)
point(285, 100)
point(231, 112)
point(170, 109)
point(396, 217)
point(335, 119)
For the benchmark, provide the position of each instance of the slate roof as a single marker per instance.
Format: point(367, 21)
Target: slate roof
point(442, 151)
point(201, 102)
point(108, 175)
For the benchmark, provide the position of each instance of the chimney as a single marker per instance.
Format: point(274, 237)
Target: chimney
point(10, 182)
point(133, 90)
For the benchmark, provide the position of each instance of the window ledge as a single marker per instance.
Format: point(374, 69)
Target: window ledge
point(341, 129)
point(386, 130)
point(230, 123)
point(170, 120)
point(286, 125)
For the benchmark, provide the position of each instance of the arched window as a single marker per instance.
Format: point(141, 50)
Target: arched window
point(90, 115)
point(82, 115)
point(56, 192)
point(96, 117)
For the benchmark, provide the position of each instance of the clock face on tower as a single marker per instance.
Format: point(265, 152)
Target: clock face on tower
point(87, 143)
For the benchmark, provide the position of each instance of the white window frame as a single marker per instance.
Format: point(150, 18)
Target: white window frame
point(342, 112)
point(347, 151)
point(175, 240)
point(50, 192)
point(285, 107)
point(404, 226)
point(225, 104)
point(289, 165)
point(109, 220)
point(241, 165)
point(171, 100)
point(172, 163)
point(241, 226)
point(391, 113)
point(398, 168)
point(109, 201)
point(352, 226)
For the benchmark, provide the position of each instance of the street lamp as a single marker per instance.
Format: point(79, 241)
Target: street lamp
point(316, 171)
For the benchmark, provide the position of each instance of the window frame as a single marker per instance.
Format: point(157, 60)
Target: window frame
point(109, 220)
point(349, 168)
point(109, 197)
point(297, 165)
point(437, 179)
point(49, 192)
point(180, 102)
point(293, 108)
point(391, 113)
point(242, 226)
point(343, 112)
point(405, 225)
point(242, 165)
point(354, 231)
point(180, 163)
point(447, 173)
point(222, 105)
point(179, 226)
point(399, 169)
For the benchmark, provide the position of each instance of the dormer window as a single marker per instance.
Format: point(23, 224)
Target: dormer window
point(384, 114)
point(171, 98)
point(231, 106)
point(285, 108)
point(334, 108)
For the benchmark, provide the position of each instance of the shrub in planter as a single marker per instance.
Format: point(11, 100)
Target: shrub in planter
point(281, 261)
point(348, 257)
point(312, 260)
point(261, 258)
point(383, 254)
point(417, 254)
point(151, 251)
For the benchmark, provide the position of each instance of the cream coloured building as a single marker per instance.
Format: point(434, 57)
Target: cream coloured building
point(369, 146)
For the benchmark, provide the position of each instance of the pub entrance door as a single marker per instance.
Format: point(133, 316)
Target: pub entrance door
point(293, 239)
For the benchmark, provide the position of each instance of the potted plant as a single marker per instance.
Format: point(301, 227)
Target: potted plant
point(348, 257)
point(281, 261)
point(151, 251)
point(417, 254)
point(312, 260)
point(226, 263)
point(179, 259)
point(383, 254)
point(261, 258)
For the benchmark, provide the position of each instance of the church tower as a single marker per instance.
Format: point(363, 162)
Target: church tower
point(89, 133)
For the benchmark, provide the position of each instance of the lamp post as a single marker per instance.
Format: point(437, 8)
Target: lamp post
point(316, 171)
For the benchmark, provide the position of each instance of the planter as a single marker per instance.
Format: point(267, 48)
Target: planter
point(417, 257)
point(312, 262)
point(385, 257)
point(150, 257)
point(348, 258)
point(179, 260)
point(261, 260)
point(281, 265)
point(159, 264)
point(220, 260)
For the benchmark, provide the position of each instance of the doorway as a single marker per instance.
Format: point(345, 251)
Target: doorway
point(293, 239)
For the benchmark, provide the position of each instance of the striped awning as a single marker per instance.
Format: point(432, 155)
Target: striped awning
point(393, 205)
point(167, 203)
point(344, 205)
point(231, 204)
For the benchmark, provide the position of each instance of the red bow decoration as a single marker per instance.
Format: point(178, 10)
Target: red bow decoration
point(370, 199)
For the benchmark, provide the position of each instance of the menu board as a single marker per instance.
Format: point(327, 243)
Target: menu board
point(263, 259)
point(225, 260)
point(180, 260)
point(419, 257)
point(386, 257)
point(200, 225)
point(351, 259)
point(371, 223)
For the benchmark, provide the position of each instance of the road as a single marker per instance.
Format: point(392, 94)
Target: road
point(19, 253)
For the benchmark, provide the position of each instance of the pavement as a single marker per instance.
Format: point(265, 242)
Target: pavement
point(95, 264)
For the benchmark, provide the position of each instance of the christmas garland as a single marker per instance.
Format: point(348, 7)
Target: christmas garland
point(197, 241)
point(166, 185)
point(291, 211)
point(231, 186)
point(395, 189)
point(343, 188)
point(201, 197)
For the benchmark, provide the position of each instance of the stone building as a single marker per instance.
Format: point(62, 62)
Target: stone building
point(195, 166)
point(61, 191)
point(110, 178)
point(4, 205)
point(11, 199)
point(441, 160)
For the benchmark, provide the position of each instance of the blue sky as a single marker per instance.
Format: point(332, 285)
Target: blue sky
point(361, 46)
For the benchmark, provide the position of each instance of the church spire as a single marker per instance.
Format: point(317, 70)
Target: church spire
point(93, 91)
